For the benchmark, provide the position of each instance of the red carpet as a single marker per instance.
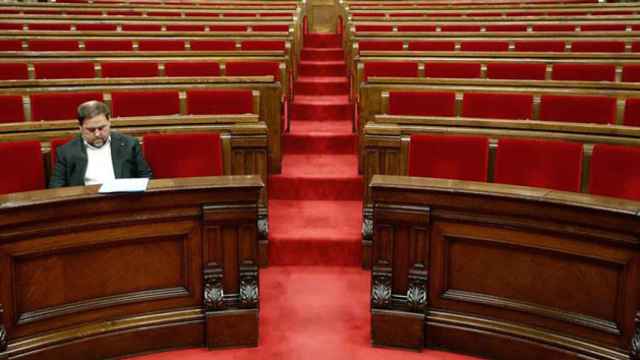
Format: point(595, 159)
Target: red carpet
point(315, 207)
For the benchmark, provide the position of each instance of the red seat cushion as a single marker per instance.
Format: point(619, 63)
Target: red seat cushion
point(59, 106)
point(228, 28)
point(262, 45)
point(484, 46)
point(10, 45)
point(582, 109)
point(416, 28)
point(185, 27)
point(540, 163)
point(271, 27)
point(422, 103)
point(501, 28)
point(379, 28)
point(212, 45)
point(64, 70)
point(14, 71)
point(432, 45)
point(145, 103)
point(253, 68)
point(183, 155)
point(460, 28)
point(24, 160)
point(597, 46)
point(108, 45)
point(539, 46)
point(12, 109)
point(96, 27)
point(390, 68)
point(10, 26)
point(614, 171)
point(53, 45)
point(49, 26)
point(192, 68)
point(516, 71)
point(380, 45)
point(202, 102)
point(553, 27)
point(632, 112)
point(631, 73)
point(452, 70)
point(129, 69)
point(584, 72)
point(603, 27)
point(497, 105)
point(141, 27)
point(161, 45)
point(450, 157)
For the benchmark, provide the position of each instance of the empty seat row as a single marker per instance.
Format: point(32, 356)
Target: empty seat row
point(175, 13)
point(529, 162)
point(502, 70)
point(168, 155)
point(109, 27)
point(140, 45)
point(515, 106)
point(485, 14)
point(609, 46)
point(118, 69)
point(514, 27)
point(62, 106)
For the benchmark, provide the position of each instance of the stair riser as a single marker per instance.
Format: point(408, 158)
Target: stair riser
point(307, 88)
point(322, 70)
point(299, 188)
point(310, 252)
point(298, 144)
point(319, 112)
point(321, 55)
point(322, 41)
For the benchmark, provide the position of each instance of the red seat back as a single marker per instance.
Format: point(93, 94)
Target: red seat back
point(460, 28)
point(422, 103)
point(12, 109)
point(192, 68)
point(183, 155)
point(202, 102)
point(141, 27)
point(497, 105)
point(631, 73)
point(516, 71)
point(540, 163)
point(271, 27)
point(597, 46)
point(632, 112)
point(53, 45)
point(185, 27)
point(452, 70)
point(55, 144)
point(484, 46)
point(539, 46)
point(450, 157)
point(432, 45)
point(614, 171)
point(511, 27)
point(145, 103)
point(24, 164)
point(378, 28)
point(161, 45)
point(108, 45)
point(416, 28)
point(253, 68)
point(14, 71)
point(582, 109)
point(584, 72)
point(262, 45)
point(390, 68)
point(553, 27)
point(59, 106)
point(64, 70)
point(380, 45)
point(49, 26)
point(228, 28)
point(96, 27)
point(212, 45)
point(129, 69)
point(10, 45)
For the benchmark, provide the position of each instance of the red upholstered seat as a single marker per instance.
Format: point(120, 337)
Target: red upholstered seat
point(380, 45)
point(203, 102)
point(262, 45)
point(212, 45)
point(238, 14)
point(424, 103)
point(484, 46)
point(124, 13)
point(431, 45)
point(253, 68)
point(24, 160)
point(164, 13)
point(271, 27)
point(635, 46)
point(541, 46)
point(603, 27)
point(129, 69)
point(12, 109)
point(614, 171)
point(631, 73)
point(584, 72)
point(14, 71)
point(10, 45)
point(450, 157)
point(10, 26)
point(404, 15)
point(59, 106)
point(49, 26)
point(416, 28)
point(632, 112)
point(497, 105)
point(553, 27)
point(55, 144)
point(202, 14)
point(500, 28)
point(390, 68)
point(355, 15)
point(540, 163)
point(597, 46)
point(460, 28)
point(230, 28)
point(520, 13)
point(452, 70)
point(517, 71)
point(379, 28)
point(64, 70)
point(96, 27)
point(161, 45)
point(53, 45)
point(108, 45)
point(185, 27)
point(582, 109)
point(183, 155)
point(141, 27)
point(145, 103)
point(192, 68)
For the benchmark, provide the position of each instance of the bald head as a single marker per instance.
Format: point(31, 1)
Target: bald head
point(91, 109)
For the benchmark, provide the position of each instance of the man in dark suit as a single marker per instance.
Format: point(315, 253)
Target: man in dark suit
point(98, 155)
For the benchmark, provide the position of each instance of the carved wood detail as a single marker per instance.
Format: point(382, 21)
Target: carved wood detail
point(381, 287)
point(635, 340)
point(249, 297)
point(213, 291)
point(3, 332)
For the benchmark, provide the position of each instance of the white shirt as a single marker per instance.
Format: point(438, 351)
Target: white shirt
point(99, 164)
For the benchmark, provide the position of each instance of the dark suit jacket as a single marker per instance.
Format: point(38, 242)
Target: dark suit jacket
point(71, 164)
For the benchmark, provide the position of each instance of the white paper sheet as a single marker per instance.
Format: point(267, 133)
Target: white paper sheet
point(124, 185)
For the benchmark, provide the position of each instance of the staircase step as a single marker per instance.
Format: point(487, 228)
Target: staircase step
point(318, 165)
point(323, 40)
point(317, 54)
point(284, 187)
point(319, 144)
point(322, 68)
point(333, 107)
point(322, 127)
point(322, 85)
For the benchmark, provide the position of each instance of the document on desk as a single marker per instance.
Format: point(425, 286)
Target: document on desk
point(124, 185)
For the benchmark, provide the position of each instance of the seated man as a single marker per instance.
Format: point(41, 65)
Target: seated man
point(97, 155)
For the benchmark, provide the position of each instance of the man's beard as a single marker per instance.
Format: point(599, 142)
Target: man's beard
point(98, 143)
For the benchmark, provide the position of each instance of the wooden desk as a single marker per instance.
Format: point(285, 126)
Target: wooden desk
point(498, 270)
point(85, 275)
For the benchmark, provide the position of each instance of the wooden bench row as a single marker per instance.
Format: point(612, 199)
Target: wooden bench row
point(90, 27)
